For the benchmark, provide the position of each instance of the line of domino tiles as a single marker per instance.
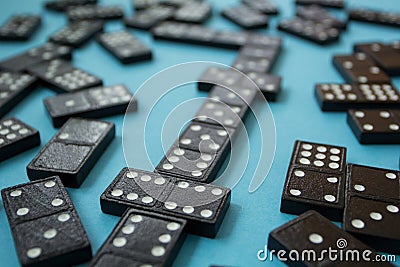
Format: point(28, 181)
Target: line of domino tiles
point(320, 185)
point(372, 102)
point(186, 169)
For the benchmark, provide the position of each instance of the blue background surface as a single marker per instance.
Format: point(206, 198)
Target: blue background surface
point(297, 116)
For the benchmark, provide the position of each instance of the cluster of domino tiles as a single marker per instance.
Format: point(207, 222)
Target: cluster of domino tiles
point(319, 183)
point(372, 102)
point(178, 186)
point(48, 64)
point(44, 205)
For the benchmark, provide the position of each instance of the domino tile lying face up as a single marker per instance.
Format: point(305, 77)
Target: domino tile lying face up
point(45, 226)
point(202, 205)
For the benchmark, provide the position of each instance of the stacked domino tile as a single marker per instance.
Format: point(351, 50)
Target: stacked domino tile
point(372, 102)
point(320, 186)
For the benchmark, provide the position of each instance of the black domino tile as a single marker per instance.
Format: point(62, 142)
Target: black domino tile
point(184, 33)
point(358, 68)
point(341, 97)
point(202, 205)
point(313, 232)
point(94, 12)
point(218, 76)
point(313, 190)
point(19, 27)
point(149, 17)
point(191, 164)
point(230, 39)
point(142, 239)
point(60, 76)
point(315, 180)
point(372, 182)
point(199, 35)
point(144, 4)
point(246, 17)
point(175, 3)
point(324, 3)
point(77, 33)
point(193, 12)
point(375, 126)
point(269, 84)
point(169, 30)
point(319, 14)
point(48, 51)
point(95, 102)
point(375, 16)
point(310, 30)
point(264, 40)
point(14, 87)
point(252, 64)
point(206, 138)
point(233, 96)
point(319, 157)
point(374, 221)
point(16, 137)
point(139, 187)
point(264, 6)
point(385, 56)
point(63, 5)
point(256, 58)
point(45, 226)
point(73, 151)
point(218, 113)
point(268, 51)
point(125, 47)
